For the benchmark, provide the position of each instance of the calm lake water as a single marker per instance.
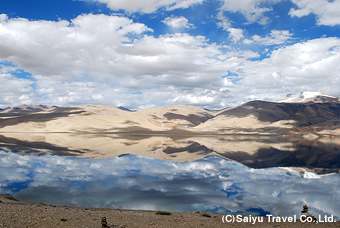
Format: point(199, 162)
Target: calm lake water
point(217, 183)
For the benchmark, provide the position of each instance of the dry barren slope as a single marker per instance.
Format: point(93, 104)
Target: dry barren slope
point(254, 117)
point(105, 119)
point(19, 214)
point(271, 117)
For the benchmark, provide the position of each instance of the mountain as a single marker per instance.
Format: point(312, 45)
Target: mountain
point(25, 109)
point(262, 116)
point(177, 116)
point(124, 109)
point(309, 114)
point(305, 97)
point(103, 119)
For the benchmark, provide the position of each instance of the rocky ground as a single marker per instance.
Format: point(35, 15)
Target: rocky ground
point(18, 214)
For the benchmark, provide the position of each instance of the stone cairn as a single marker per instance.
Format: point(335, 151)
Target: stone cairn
point(104, 223)
point(306, 213)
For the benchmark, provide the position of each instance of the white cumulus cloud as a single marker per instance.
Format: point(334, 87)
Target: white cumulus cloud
point(327, 12)
point(235, 34)
point(112, 60)
point(275, 37)
point(308, 66)
point(178, 22)
point(147, 6)
point(15, 91)
point(253, 10)
point(93, 48)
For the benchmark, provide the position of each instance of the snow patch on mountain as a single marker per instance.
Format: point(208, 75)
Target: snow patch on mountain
point(303, 173)
point(302, 97)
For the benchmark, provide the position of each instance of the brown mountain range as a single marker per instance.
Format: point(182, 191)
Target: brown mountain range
point(254, 117)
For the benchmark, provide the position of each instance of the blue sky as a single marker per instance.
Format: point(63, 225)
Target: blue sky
point(143, 54)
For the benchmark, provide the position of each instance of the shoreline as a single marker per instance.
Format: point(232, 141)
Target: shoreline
point(20, 214)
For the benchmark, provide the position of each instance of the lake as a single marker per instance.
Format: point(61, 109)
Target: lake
point(248, 175)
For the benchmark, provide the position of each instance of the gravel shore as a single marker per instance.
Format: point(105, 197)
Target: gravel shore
point(19, 214)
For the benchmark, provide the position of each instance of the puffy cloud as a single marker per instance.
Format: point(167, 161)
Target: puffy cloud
point(325, 11)
point(310, 65)
point(205, 97)
point(51, 91)
point(3, 17)
point(223, 21)
point(96, 47)
point(148, 6)
point(275, 37)
point(55, 48)
point(7, 69)
point(14, 91)
point(235, 34)
point(100, 45)
point(183, 4)
point(111, 60)
point(253, 10)
point(177, 22)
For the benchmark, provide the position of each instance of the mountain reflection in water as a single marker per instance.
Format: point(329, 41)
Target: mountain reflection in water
point(210, 184)
point(249, 175)
point(321, 156)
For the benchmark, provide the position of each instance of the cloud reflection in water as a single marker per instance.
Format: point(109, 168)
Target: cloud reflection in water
point(134, 182)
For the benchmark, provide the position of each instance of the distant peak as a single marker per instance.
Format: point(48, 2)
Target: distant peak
point(27, 108)
point(124, 109)
point(308, 96)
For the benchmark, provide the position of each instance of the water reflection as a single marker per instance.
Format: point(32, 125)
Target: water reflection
point(320, 156)
point(210, 184)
